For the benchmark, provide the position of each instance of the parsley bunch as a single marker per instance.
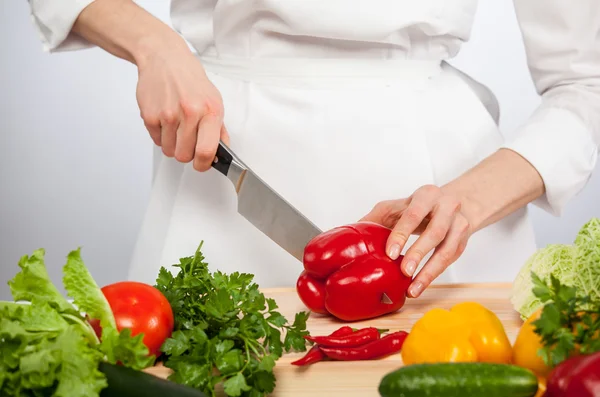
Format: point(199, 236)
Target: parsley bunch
point(226, 331)
point(568, 324)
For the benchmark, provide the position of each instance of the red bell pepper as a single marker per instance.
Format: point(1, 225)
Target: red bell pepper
point(578, 376)
point(347, 272)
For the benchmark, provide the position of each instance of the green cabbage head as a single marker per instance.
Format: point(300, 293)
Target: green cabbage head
point(577, 265)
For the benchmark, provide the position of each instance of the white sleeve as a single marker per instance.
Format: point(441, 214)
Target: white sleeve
point(561, 139)
point(54, 19)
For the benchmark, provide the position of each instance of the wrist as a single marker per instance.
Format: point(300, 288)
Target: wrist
point(165, 43)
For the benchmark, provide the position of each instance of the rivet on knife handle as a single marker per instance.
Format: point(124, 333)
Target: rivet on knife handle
point(223, 159)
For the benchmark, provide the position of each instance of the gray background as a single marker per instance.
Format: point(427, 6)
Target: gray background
point(75, 159)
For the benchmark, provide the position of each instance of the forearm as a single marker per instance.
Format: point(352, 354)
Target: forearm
point(499, 185)
point(126, 30)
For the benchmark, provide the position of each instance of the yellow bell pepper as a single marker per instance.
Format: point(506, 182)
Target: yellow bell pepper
point(542, 383)
point(526, 347)
point(467, 332)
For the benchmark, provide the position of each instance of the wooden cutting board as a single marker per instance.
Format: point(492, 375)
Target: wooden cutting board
point(361, 378)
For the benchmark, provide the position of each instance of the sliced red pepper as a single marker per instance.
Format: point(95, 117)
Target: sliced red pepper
point(348, 274)
point(389, 344)
point(315, 354)
point(357, 338)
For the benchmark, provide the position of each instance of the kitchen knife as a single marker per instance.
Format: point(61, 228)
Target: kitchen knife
point(263, 207)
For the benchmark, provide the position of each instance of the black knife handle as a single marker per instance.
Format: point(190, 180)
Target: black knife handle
point(223, 159)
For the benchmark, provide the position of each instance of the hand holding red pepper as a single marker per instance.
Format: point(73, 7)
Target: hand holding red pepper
point(437, 217)
point(348, 274)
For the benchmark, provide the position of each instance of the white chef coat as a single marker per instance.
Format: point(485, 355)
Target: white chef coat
point(277, 61)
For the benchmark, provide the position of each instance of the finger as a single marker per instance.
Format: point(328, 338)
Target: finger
point(209, 131)
point(444, 255)
point(185, 147)
point(154, 131)
point(153, 127)
point(168, 135)
point(386, 213)
point(442, 217)
point(409, 222)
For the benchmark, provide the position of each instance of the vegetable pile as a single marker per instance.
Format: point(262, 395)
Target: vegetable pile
point(47, 347)
point(348, 275)
point(210, 328)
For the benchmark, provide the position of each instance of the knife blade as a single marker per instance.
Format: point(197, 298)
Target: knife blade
point(262, 206)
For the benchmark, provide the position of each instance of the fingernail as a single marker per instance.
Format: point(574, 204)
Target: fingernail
point(416, 289)
point(410, 268)
point(394, 251)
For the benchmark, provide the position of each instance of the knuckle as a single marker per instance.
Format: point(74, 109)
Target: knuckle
point(437, 233)
point(200, 166)
point(189, 108)
point(426, 277)
point(416, 253)
point(430, 190)
point(204, 155)
point(446, 257)
point(184, 157)
point(399, 236)
point(167, 151)
point(413, 214)
point(214, 106)
point(168, 116)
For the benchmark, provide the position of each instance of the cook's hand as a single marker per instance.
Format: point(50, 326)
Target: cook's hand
point(437, 217)
point(181, 108)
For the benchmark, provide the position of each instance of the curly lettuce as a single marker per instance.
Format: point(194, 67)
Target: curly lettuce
point(576, 264)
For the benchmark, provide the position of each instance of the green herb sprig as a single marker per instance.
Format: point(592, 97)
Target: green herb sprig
point(226, 331)
point(568, 324)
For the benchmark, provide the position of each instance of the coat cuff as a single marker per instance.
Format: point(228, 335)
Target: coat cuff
point(560, 146)
point(54, 21)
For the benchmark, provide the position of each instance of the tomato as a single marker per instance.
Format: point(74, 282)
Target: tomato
point(141, 308)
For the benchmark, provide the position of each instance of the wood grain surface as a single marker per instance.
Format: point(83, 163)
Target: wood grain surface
point(361, 378)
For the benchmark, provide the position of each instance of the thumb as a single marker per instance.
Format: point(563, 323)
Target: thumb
point(386, 213)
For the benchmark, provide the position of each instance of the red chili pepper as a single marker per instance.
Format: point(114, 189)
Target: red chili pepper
point(357, 338)
point(385, 346)
point(315, 354)
point(347, 272)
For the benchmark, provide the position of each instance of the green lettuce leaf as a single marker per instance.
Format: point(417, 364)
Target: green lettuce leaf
point(86, 294)
point(33, 283)
point(122, 347)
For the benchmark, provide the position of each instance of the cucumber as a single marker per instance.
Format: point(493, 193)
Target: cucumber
point(127, 382)
point(459, 380)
